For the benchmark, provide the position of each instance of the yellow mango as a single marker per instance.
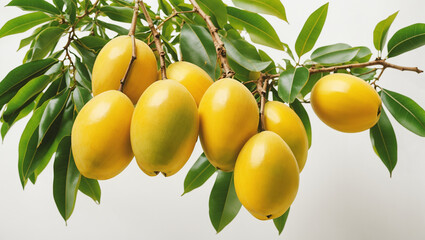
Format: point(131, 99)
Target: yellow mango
point(164, 128)
point(346, 103)
point(194, 78)
point(100, 136)
point(112, 62)
point(228, 117)
point(281, 119)
point(266, 176)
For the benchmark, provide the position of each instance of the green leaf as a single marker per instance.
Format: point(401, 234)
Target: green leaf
point(198, 174)
point(80, 96)
point(311, 30)
point(93, 42)
point(302, 113)
point(258, 28)
point(271, 69)
point(407, 39)
point(120, 14)
point(217, 8)
point(24, 73)
point(271, 7)
point(334, 54)
point(59, 4)
point(196, 37)
point(91, 188)
point(381, 31)
point(28, 91)
point(165, 7)
point(291, 82)
point(52, 112)
point(281, 221)
point(66, 179)
point(82, 76)
point(23, 23)
point(224, 205)
point(406, 111)
point(71, 10)
point(57, 86)
point(88, 56)
point(363, 55)
point(312, 80)
point(18, 115)
point(46, 41)
point(366, 74)
point(384, 141)
point(35, 5)
point(118, 29)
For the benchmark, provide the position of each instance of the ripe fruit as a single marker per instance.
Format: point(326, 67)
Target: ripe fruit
point(282, 120)
point(194, 78)
point(100, 136)
point(346, 103)
point(228, 117)
point(266, 176)
point(164, 128)
point(112, 62)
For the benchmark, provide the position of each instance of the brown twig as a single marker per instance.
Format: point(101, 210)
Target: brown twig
point(219, 45)
point(262, 84)
point(157, 39)
point(134, 49)
point(88, 11)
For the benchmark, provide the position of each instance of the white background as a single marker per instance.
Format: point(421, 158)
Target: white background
point(345, 190)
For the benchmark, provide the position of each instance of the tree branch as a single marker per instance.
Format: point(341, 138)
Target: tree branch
point(376, 62)
point(157, 39)
point(219, 45)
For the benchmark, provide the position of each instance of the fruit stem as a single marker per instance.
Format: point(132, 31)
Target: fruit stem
point(262, 84)
point(133, 46)
point(157, 39)
point(219, 45)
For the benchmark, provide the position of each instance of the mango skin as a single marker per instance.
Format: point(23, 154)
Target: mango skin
point(164, 128)
point(281, 119)
point(346, 103)
point(112, 62)
point(100, 137)
point(228, 117)
point(266, 176)
point(194, 78)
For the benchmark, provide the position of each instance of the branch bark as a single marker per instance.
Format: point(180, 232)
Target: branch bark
point(219, 45)
point(157, 39)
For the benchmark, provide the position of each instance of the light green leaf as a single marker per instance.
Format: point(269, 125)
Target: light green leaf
point(80, 97)
point(381, 31)
point(280, 222)
point(91, 188)
point(271, 7)
point(311, 30)
point(23, 23)
point(198, 174)
point(334, 54)
point(46, 41)
point(35, 5)
point(407, 39)
point(120, 14)
point(291, 82)
point(258, 28)
point(217, 8)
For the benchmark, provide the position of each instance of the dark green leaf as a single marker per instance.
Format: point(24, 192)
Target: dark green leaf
point(18, 115)
point(46, 41)
point(113, 27)
point(200, 172)
point(66, 179)
point(93, 42)
point(258, 28)
point(57, 86)
point(381, 31)
point(88, 56)
point(71, 10)
point(291, 82)
point(312, 80)
point(217, 8)
point(80, 97)
point(407, 39)
point(334, 54)
point(52, 112)
point(24, 73)
point(364, 73)
point(165, 7)
point(59, 4)
point(120, 14)
point(35, 5)
point(281, 221)
point(271, 7)
point(224, 205)
point(28, 91)
point(384, 141)
point(91, 188)
point(82, 76)
point(205, 56)
point(23, 23)
point(406, 111)
point(311, 30)
point(302, 113)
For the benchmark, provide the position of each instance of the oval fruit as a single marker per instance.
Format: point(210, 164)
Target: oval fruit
point(164, 128)
point(228, 117)
point(266, 176)
point(282, 120)
point(194, 78)
point(112, 62)
point(346, 103)
point(100, 136)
